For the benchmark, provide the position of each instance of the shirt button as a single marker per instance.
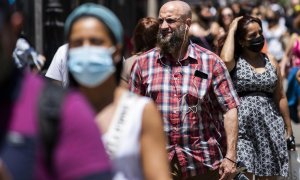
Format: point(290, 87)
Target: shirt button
point(175, 95)
point(174, 111)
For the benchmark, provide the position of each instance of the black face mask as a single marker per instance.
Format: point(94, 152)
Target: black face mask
point(256, 44)
point(206, 19)
point(272, 20)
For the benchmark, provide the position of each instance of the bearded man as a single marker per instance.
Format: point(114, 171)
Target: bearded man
point(194, 93)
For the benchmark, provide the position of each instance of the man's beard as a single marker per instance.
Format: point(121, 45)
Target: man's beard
point(171, 42)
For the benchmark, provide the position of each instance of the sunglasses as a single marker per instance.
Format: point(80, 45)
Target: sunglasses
point(227, 15)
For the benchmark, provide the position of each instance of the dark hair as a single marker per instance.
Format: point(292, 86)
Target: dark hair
point(49, 113)
point(220, 20)
point(202, 20)
point(6, 10)
point(145, 34)
point(240, 33)
point(119, 65)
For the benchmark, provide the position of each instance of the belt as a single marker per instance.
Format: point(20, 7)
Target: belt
point(255, 93)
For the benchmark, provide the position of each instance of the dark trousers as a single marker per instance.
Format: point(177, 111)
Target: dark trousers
point(18, 154)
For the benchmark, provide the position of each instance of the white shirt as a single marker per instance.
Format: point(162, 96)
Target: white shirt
point(58, 69)
point(122, 139)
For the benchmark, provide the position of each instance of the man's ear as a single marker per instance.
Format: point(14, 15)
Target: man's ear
point(188, 21)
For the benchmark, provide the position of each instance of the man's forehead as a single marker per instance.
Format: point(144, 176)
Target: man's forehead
point(170, 11)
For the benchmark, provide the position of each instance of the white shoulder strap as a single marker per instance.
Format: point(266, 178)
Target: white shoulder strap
point(118, 125)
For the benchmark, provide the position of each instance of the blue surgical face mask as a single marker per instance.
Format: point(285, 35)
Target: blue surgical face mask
point(91, 65)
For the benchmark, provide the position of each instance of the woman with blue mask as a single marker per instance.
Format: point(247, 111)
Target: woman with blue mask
point(59, 143)
point(131, 125)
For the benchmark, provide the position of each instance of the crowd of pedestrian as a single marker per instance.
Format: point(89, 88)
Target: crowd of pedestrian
point(201, 97)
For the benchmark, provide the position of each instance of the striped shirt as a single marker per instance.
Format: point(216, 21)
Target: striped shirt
point(192, 95)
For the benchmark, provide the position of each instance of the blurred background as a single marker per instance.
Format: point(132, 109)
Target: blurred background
point(45, 18)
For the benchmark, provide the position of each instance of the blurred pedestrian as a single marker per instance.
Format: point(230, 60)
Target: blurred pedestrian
point(68, 149)
point(144, 38)
point(58, 71)
point(204, 29)
point(263, 113)
point(195, 95)
point(26, 57)
point(275, 32)
point(131, 125)
point(225, 17)
point(290, 65)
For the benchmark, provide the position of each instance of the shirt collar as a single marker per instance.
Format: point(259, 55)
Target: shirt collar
point(191, 52)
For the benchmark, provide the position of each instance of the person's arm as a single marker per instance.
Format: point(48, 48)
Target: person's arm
point(281, 100)
point(227, 52)
point(227, 167)
point(153, 145)
point(135, 80)
point(127, 67)
point(287, 55)
point(54, 71)
point(228, 101)
point(298, 76)
point(4, 174)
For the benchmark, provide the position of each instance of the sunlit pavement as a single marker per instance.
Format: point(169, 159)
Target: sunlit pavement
point(296, 130)
point(296, 127)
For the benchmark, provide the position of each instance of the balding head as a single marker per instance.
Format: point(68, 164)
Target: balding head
point(179, 7)
point(174, 21)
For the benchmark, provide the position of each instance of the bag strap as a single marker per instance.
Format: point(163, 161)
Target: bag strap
point(117, 126)
point(49, 111)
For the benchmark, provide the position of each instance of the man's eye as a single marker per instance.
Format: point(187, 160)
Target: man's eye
point(170, 21)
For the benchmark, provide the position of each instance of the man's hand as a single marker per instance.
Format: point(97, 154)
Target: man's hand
point(227, 170)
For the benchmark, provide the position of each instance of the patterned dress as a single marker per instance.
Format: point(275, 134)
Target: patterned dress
point(261, 143)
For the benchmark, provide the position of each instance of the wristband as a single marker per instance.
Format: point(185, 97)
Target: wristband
point(230, 160)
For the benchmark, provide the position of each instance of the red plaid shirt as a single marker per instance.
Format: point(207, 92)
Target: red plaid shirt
point(192, 96)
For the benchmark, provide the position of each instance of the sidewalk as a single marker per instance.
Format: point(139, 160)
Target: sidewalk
point(296, 127)
point(296, 131)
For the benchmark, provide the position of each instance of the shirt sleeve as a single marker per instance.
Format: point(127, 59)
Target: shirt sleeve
point(135, 80)
point(79, 152)
point(55, 70)
point(223, 87)
point(127, 67)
